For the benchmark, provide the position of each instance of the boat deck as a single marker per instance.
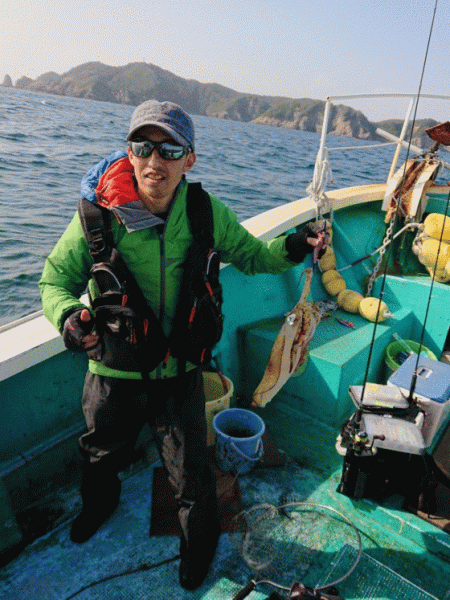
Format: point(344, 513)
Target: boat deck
point(404, 558)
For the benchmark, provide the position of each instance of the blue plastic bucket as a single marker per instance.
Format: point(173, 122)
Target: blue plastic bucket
point(238, 439)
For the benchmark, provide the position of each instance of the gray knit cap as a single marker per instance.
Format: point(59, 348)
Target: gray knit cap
point(167, 116)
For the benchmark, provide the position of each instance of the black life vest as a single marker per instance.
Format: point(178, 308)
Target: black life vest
point(132, 336)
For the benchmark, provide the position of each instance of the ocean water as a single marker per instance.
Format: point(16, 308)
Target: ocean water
point(48, 142)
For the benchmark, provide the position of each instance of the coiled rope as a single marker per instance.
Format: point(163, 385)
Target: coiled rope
point(322, 176)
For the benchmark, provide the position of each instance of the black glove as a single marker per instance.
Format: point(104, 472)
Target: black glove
point(297, 246)
point(77, 326)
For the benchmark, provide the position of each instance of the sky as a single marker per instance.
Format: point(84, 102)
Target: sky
point(293, 48)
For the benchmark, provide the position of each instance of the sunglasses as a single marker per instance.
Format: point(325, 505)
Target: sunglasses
point(166, 150)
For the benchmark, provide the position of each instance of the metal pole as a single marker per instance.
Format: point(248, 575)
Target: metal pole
point(320, 154)
point(401, 139)
point(326, 117)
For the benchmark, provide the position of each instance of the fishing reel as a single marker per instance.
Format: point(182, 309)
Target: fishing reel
point(353, 438)
point(382, 455)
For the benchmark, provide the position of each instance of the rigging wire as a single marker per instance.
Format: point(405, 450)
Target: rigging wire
point(397, 213)
point(381, 248)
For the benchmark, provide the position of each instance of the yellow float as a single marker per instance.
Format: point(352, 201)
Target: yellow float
point(432, 226)
point(349, 300)
point(333, 282)
point(432, 251)
point(368, 308)
point(328, 260)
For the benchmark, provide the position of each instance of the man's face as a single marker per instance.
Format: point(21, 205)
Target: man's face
point(157, 178)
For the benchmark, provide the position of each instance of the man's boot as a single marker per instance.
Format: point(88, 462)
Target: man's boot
point(100, 492)
point(203, 530)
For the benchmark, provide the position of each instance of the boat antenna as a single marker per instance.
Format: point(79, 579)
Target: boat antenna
point(396, 217)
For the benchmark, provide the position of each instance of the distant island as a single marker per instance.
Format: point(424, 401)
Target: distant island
point(136, 82)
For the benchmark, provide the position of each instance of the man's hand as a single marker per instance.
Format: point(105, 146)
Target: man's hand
point(299, 244)
point(77, 333)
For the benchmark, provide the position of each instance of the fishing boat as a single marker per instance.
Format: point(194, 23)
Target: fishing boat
point(327, 441)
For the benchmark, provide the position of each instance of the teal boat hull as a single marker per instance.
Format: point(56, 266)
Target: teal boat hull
point(41, 420)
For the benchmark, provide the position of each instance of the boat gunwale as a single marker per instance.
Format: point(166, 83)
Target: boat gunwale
point(31, 339)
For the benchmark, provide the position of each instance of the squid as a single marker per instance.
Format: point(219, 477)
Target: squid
point(290, 349)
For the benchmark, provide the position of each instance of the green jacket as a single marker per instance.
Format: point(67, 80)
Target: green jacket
point(155, 261)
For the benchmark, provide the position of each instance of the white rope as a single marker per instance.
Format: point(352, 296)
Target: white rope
point(316, 189)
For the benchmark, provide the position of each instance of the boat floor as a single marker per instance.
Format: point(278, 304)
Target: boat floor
point(404, 558)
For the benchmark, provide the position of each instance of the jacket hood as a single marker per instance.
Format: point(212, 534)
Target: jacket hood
point(116, 186)
point(111, 184)
point(91, 179)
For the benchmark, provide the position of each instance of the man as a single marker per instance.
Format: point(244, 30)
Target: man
point(146, 191)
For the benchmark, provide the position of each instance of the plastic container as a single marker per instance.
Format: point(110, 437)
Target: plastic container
point(395, 348)
point(218, 392)
point(432, 391)
point(393, 434)
point(238, 439)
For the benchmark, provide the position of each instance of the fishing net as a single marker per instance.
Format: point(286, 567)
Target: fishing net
point(296, 543)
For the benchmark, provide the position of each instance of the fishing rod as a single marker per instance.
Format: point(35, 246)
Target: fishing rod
point(416, 369)
point(395, 220)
